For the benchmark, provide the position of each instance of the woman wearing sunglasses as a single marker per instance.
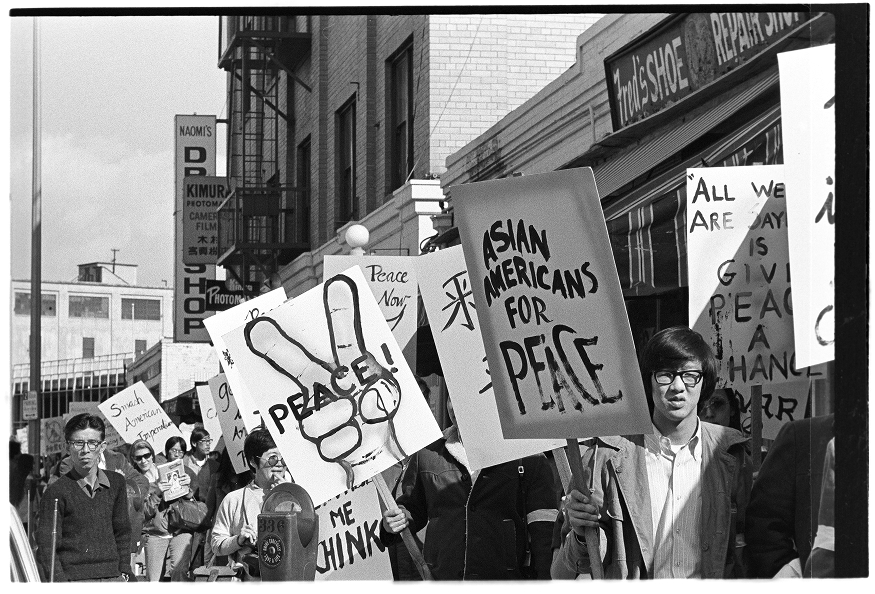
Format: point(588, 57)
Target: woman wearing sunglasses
point(168, 552)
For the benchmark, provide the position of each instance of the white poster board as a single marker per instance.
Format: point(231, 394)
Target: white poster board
point(52, 436)
point(210, 416)
point(225, 321)
point(349, 538)
point(782, 403)
point(333, 387)
point(808, 129)
point(230, 420)
point(739, 273)
point(553, 320)
point(113, 439)
point(21, 436)
point(449, 303)
point(392, 280)
point(136, 414)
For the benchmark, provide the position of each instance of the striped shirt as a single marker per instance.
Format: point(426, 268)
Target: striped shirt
point(674, 477)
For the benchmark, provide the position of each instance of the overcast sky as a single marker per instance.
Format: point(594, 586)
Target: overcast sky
point(111, 87)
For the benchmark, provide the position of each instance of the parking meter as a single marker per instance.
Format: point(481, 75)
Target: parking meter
point(288, 535)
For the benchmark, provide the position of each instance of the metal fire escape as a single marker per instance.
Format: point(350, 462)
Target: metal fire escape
point(264, 222)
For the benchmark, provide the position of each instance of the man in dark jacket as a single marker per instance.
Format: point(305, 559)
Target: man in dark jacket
point(480, 523)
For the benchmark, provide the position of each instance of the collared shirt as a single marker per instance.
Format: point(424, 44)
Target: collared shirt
point(674, 476)
point(102, 482)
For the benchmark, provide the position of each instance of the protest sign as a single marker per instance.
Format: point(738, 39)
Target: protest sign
point(136, 415)
point(349, 538)
point(334, 389)
point(168, 476)
point(448, 301)
point(51, 436)
point(392, 280)
point(21, 437)
point(113, 438)
point(739, 272)
point(808, 130)
point(220, 323)
point(233, 430)
point(210, 417)
point(781, 403)
point(553, 319)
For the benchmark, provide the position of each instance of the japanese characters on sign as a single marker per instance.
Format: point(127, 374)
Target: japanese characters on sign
point(233, 429)
point(332, 385)
point(136, 414)
point(449, 302)
point(553, 320)
point(739, 272)
point(202, 195)
point(51, 436)
point(808, 115)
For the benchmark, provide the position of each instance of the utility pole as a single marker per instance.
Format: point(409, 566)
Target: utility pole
point(36, 300)
point(114, 250)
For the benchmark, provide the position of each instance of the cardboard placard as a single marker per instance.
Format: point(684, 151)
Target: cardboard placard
point(21, 437)
point(112, 437)
point(334, 389)
point(448, 301)
point(222, 322)
point(782, 403)
point(349, 538)
point(739, 273)
point(170, 473)
point(233, 430)
point(808, 130)
point(552, 315)
point(51, 436)
point(210, 417)
point(136, 414)
point(392, 280)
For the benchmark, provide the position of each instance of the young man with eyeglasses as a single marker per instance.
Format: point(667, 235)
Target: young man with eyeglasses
point(668, 502)
point(93, 529)
point(235, 531)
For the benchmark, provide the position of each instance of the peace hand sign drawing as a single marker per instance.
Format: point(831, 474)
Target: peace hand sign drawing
point(355, 396)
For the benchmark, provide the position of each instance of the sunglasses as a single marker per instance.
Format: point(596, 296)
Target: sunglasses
point(273, 460)
point(145, 456)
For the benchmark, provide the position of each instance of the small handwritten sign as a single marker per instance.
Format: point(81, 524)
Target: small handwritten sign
point(136, 415)
point(233, 429)
point(227, 320)
point(552, 315)
point(51, 436)
point(210, 417)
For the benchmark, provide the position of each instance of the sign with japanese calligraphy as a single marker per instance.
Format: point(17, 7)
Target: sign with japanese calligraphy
point(222, 322)
point(349, 538)
point(112, 438)
point(230, 420)
point(449, 302)
point(210, 415)
point(332, 385)
point(202, 195)
point(195, 155)
point(136, 414)
point(739, 272)
point(51, 436)
point(392, 280)
point(782, 403)
point(553, 320)
point(808, 115)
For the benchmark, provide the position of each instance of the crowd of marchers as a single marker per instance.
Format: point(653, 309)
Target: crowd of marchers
point(679, 502)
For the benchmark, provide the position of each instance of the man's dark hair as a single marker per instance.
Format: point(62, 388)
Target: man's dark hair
point(670, 349)
point(84, 421)
point(257, 443)
point(172, 441)
point(14, 448)
point(197, 434)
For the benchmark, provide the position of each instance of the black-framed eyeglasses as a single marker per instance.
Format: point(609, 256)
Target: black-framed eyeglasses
point(273, 460)
point(79, 444)
point(145, 456)
point(690, 377)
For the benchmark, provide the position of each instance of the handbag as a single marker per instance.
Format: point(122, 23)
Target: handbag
point(186, 515)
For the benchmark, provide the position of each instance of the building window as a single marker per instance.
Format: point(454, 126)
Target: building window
point(401, 110)
point(83, 306)
point(22, 305)
point(87, 347)
point(345, 148)
point(304, 173)
point(139, 347)
point(141, 309)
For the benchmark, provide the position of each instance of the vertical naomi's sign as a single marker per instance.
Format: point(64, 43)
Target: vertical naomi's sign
point(195, 154)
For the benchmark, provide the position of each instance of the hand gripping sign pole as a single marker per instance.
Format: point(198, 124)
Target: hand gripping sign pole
point(406, 536)
point(571, 472)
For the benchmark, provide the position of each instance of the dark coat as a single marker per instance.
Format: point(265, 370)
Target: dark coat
point(478, 532)
point(782, 514)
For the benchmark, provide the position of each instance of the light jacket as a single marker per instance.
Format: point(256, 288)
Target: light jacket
point(475, 529)
point(622, 496)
